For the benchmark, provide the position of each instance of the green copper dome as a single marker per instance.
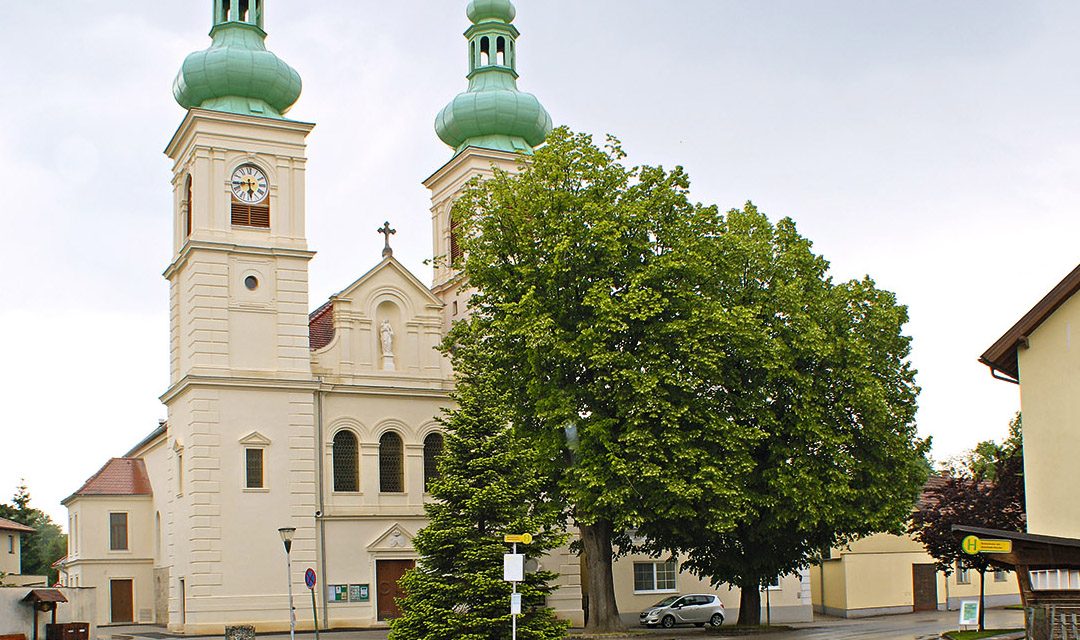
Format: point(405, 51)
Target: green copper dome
point(237, 74)
point(484, 10)
point(493, 113)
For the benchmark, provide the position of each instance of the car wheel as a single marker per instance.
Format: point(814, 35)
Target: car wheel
point(717, 620)
point(668, 622)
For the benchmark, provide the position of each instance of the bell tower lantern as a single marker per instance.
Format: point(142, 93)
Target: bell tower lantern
point(492, 124)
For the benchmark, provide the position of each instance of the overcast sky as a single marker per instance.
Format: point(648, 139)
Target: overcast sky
point(931, 144)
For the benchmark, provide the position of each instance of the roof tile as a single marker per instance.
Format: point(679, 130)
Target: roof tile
point(119, 477)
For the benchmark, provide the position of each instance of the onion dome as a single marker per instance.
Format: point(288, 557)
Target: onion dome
point(493, 113)
point(237, 74)
point(485, 10)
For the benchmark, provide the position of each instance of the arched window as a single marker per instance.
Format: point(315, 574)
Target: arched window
point(187, 207)
point(346, 462)
point(500, 51)
point(433, 448)
point(391, 464)
point(485, 51)
point(472, 56)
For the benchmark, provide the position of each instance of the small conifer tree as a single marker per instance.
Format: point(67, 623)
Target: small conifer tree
point(488, 487)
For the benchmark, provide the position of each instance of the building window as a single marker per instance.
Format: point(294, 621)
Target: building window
point(654, 576)
point(433, 448)
point(75, 533)
point(254, 469)
point(346, 462)
point(118, 531)
point(1001, 576)
point(11, 544)
point(391, 464)
point(963, 576)
point(774, 584)
point(456, 252)
point(1055, 580)
point(179, 473)
point(187, 207)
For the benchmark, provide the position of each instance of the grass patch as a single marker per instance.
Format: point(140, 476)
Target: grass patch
point(975, 635)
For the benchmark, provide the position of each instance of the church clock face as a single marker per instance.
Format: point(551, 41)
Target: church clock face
point(249, 184)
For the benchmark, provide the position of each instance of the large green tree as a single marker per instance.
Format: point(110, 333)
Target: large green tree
point(43, 547)
point(832, 399)
point(488, 487)
point(698, 371)
point(597, 308)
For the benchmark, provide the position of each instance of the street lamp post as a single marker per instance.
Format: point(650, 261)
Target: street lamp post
point(287, 534)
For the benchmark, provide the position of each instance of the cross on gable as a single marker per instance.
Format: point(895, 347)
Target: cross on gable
point(387, 231)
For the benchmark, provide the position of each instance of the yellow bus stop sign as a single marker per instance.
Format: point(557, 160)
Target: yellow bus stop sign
point(525, 538)
point(973, 545)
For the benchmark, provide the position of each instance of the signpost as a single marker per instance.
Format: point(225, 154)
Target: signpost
point(310, 579)
point(973, 545)
point(514, 572)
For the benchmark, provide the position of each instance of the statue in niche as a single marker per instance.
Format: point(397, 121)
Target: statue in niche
point(386, 332)
point(386, 338)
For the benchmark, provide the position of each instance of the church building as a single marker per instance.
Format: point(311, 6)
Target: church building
point(321, 421)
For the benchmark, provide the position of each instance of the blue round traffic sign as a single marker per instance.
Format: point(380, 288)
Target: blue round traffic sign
point(309, 578)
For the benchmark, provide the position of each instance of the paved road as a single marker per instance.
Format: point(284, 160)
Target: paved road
point(916, 626)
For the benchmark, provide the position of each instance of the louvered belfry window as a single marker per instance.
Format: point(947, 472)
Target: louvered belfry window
point(456, 252)
point(346, 462)
point(251, 215)
point(391, 464)
point(433, 448)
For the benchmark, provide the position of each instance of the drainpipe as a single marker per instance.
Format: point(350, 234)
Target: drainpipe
point(322, 502)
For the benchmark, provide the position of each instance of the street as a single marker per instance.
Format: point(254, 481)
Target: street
point(915, 626)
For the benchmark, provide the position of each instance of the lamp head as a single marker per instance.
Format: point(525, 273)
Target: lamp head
point(287, 534)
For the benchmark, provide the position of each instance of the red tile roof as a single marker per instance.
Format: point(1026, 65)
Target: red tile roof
point(11, 525)
point(321, 326)
point(119, 477)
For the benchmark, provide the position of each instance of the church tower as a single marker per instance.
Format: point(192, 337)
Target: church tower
point(240, 402)
point(492, 124)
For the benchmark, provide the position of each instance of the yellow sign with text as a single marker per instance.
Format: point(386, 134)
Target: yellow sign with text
point(525, 538)
point(973, 545)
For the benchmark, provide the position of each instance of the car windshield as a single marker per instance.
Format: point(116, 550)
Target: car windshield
point(666, 601)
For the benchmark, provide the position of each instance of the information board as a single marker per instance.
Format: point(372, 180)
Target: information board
point(337, 593)
point(969, 613)
point(359, 593)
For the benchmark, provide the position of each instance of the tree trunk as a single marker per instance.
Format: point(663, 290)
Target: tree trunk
point(603, 610)
point(750, 606)
point(982, 599)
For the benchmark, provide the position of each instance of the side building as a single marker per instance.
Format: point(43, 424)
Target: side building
point(11, 543)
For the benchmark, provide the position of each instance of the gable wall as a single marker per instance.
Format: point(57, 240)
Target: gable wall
point(1050, 400)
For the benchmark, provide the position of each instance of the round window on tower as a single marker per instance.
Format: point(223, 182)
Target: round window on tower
point(251, 282)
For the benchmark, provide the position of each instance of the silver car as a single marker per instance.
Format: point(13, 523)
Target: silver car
point(698, 609)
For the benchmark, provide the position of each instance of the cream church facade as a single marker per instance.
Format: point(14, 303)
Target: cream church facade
point(277, 417)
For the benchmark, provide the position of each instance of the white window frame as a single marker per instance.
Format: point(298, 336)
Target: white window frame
point(776, 586)
point(654, 564)
point(1001, 575)
point(255, 440)
point(11, 544)
point(963, 576)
